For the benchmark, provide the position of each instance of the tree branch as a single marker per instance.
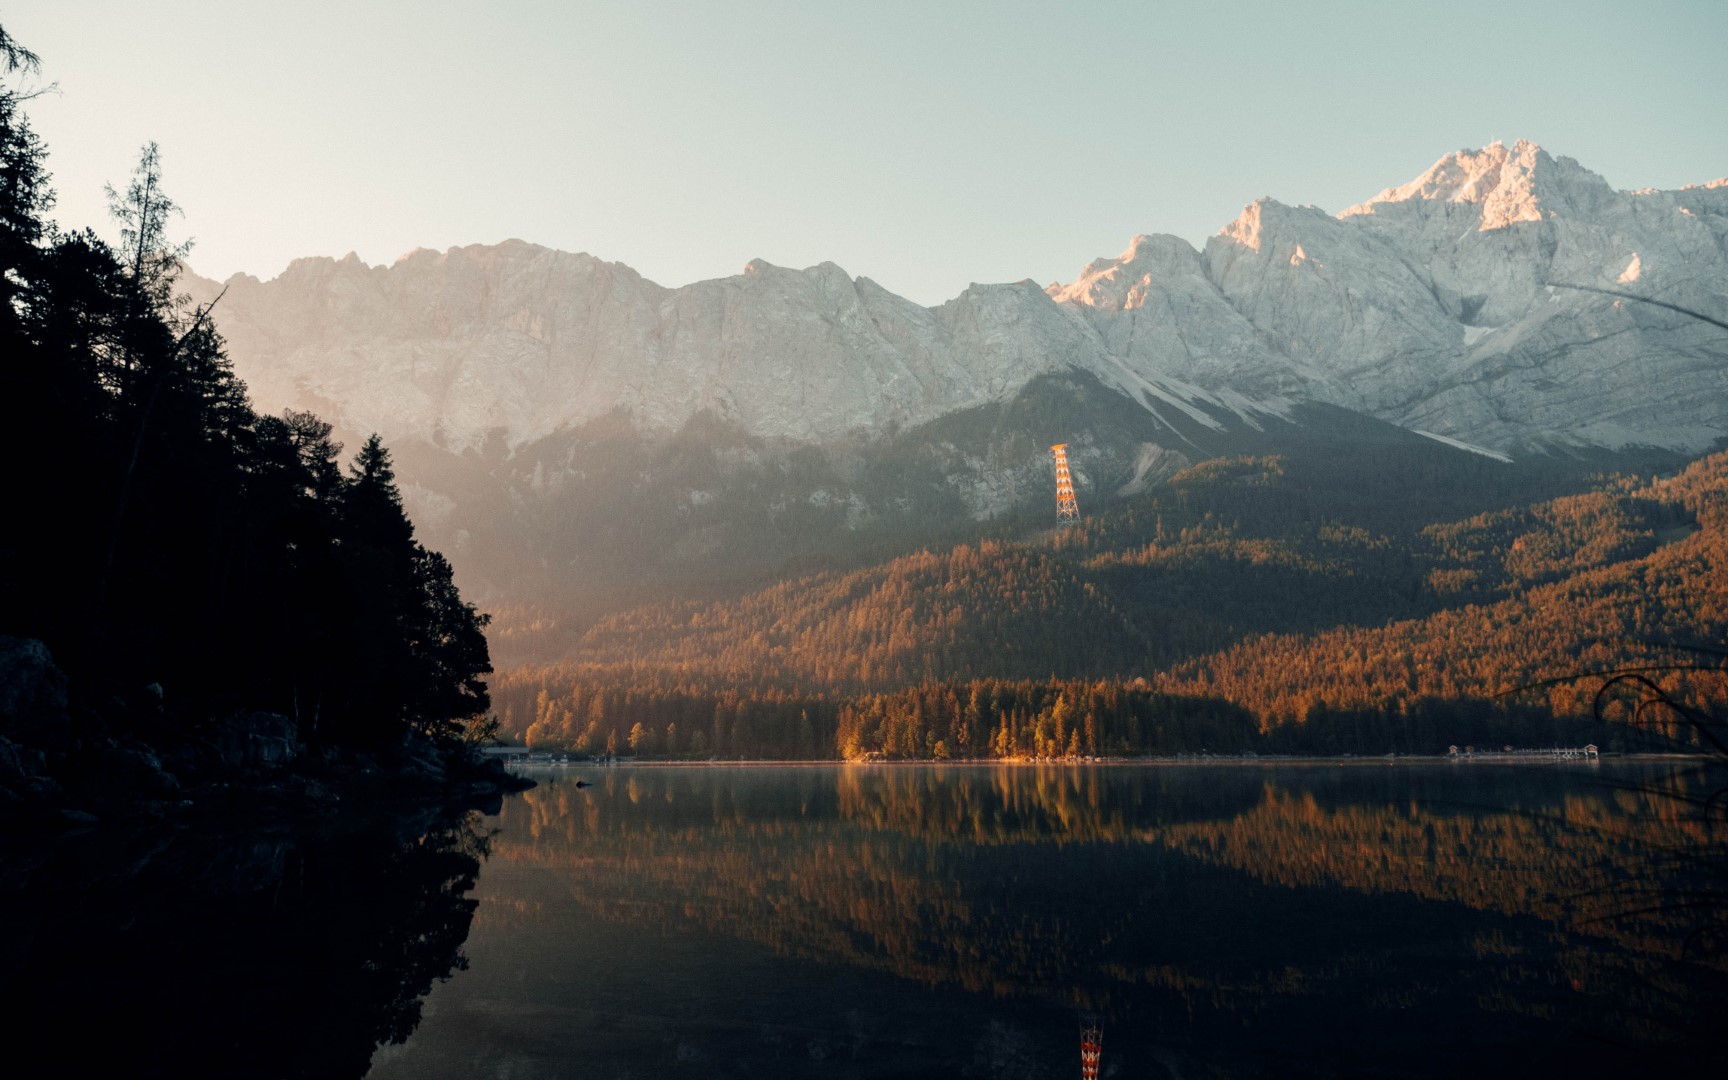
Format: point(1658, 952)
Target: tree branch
point(1643, 300)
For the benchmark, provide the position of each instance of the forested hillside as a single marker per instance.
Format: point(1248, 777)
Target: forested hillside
point(1637, 574)
point(1306, 601)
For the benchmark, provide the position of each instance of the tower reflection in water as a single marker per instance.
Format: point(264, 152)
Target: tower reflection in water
point(1236, 920)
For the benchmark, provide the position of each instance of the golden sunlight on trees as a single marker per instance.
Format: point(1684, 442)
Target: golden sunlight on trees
point(1169, 630)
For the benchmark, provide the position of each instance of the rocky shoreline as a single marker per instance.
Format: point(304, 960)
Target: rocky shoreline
point(71, 764)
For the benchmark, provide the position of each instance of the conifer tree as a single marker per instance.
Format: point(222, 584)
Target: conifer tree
point(25, 196)
point(166, 533)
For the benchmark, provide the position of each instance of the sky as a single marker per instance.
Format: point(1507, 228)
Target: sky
point(926, 145)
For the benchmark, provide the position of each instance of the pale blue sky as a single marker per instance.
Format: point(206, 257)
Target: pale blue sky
point(925, 145)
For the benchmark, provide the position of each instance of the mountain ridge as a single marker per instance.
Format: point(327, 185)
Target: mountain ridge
point(1415, 306)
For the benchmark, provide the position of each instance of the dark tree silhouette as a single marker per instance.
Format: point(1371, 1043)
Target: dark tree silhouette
point(165, 533)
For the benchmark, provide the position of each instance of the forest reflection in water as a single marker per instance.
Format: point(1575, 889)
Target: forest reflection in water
point(272, 951)
point(903, 921)
point(896, 921)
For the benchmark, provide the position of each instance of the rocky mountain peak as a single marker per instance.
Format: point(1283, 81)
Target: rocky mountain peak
point(1266, 218)
point(1247, 227)
point(1506, 184)
point(1127, 280)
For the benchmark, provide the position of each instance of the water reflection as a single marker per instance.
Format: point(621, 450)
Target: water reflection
point(899, 920)
point(274, 953)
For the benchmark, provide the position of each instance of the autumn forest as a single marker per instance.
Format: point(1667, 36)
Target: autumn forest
point(1323, 600)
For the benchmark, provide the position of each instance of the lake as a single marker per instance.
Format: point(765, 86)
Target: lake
point(911, 921)
point(888, 921)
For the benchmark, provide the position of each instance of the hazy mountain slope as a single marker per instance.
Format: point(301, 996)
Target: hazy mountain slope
point(570, 431)
point(586, 519)
point(1229, 550)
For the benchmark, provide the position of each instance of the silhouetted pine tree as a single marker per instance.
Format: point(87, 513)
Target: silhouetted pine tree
point(162, 531)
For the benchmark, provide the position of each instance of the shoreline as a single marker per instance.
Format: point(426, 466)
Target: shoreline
point(1212, 761)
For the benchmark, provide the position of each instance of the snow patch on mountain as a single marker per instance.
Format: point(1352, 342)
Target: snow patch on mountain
point(1460, 444)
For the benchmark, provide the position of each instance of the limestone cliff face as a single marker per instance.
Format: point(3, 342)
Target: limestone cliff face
point(1502, 236)
point(1334, 298)
point(1448, 304)
point(1156, 306)
point(1445, 305)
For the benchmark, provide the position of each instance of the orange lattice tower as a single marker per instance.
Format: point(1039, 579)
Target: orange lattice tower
point(1091, 1047)
point(1066, 508)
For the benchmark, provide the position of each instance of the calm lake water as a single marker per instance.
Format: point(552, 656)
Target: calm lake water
point(898, 921)
point(907, 921)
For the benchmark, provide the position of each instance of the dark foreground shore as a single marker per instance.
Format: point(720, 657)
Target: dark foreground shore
point(258, 944)
point(69, 764)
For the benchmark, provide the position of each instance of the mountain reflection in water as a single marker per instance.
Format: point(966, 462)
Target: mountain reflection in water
point(906, 921)
point(898, 921)
point(275, 952)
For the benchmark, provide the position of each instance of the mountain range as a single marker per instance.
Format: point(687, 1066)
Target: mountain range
point(563, 424)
